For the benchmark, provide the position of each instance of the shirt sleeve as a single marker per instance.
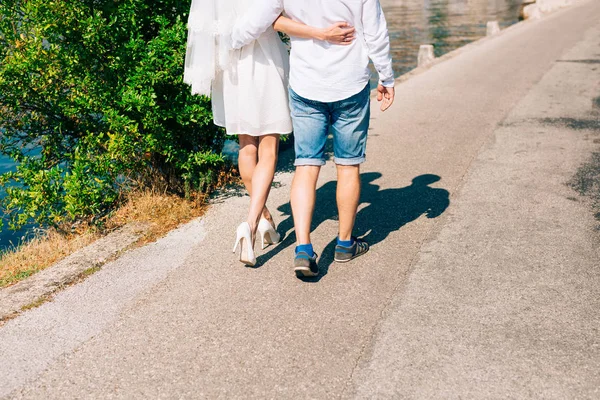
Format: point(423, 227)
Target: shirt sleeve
point(378, 41)
point(255, 22)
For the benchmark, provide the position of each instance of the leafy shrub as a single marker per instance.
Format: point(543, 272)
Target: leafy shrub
point(92, 103)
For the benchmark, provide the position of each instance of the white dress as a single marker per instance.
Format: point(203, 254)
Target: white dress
point(251, 96)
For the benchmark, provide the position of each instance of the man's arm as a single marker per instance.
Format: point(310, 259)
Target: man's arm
point(255, 22)
point(378, 42)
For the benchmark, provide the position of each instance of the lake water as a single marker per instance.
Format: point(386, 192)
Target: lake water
point(447, 24)
point(8, 237)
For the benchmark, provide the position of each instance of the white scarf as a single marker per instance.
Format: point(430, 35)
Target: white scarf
point(209, 41)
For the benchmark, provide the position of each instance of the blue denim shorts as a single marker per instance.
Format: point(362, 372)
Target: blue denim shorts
point(348, 120)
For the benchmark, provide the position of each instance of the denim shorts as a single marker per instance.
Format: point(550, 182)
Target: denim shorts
point(349, 123)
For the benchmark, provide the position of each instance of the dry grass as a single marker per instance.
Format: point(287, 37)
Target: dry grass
point(23, 261)
point(35, 304)
point(164, 212)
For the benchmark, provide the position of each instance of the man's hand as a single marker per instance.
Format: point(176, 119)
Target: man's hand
point(385, 94)
point(339, 33)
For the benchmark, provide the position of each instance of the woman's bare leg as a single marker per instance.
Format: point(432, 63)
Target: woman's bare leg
point(247, 159)
point(262, 178)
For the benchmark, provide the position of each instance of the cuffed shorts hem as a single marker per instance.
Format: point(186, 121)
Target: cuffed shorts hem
point(349, 161)
point(300, 162)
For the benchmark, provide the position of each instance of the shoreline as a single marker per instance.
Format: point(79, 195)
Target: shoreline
point(451, 54)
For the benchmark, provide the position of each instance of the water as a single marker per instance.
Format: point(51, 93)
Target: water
point(447, 24)
point(8, 237)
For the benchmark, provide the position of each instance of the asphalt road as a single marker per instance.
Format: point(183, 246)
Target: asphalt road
point(482, 282)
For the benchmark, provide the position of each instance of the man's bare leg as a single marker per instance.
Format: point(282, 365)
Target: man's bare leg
point(304, 194)
point(347, 196)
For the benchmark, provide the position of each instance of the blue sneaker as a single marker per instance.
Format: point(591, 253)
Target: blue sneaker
point(305, 266)
point(345, 254)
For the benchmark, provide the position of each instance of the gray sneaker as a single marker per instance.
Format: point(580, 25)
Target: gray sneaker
point(345, 254)
point(305, 266)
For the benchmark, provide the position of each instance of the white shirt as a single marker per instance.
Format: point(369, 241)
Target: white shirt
point(319, 70)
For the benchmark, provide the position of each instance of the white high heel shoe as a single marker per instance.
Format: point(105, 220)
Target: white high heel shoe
point(244, 241)
point(268, 234)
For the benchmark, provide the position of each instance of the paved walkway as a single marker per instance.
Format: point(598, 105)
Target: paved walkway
point(482, 282)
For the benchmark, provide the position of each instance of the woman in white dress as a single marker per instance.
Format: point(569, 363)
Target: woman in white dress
point(249, 91)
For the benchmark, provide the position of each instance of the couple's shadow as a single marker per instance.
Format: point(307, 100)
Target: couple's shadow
point(386, 211)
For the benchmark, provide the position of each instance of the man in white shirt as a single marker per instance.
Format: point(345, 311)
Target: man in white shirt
point(329, 92)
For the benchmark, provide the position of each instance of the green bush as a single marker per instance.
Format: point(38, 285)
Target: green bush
point(92, 103)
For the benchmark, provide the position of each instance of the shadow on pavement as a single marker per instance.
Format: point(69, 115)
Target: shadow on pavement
point(386, 211)
point(578, 124)
point(590, 61)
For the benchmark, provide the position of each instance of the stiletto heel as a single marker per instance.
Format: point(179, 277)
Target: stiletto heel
point(244, 241)
point(267, 232)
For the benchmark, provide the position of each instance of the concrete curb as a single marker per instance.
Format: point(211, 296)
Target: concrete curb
point(34, 290)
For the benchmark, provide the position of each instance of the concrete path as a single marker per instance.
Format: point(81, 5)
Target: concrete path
point(483, 279)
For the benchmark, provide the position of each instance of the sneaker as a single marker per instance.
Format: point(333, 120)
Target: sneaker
point(345, 254)
point(305, 266)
